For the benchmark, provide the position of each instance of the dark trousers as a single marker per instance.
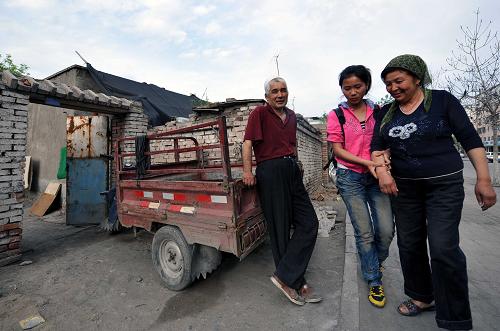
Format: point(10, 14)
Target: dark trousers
point(284, 201)
point(431, 209)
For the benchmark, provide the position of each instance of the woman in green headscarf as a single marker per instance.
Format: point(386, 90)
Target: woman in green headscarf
point(426, 184)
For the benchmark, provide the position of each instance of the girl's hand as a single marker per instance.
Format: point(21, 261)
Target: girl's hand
point(373, 165)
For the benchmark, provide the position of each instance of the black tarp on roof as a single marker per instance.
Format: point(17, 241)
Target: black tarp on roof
point(159, 105)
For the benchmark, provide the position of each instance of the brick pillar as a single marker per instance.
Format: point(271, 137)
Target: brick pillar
point(130, 125)
point(13, 127)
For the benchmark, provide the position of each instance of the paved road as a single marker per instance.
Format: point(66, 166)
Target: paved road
point(479, 240)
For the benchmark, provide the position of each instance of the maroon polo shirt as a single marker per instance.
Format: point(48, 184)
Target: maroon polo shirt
point(270, 136)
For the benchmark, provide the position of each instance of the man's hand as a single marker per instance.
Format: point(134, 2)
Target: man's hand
point(485, 194)
point(249, 179)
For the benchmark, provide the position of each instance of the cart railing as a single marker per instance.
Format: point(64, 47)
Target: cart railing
point(124, 146)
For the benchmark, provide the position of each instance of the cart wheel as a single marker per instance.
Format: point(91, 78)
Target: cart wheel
point(172, 257)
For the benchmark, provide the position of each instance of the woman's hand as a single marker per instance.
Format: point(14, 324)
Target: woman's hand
point(386, 182)
point(485, 194)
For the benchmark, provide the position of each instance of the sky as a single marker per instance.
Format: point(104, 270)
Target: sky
point(228, 49)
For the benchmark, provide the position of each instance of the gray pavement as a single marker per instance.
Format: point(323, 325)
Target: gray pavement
point(479, 240)
point(84, 279)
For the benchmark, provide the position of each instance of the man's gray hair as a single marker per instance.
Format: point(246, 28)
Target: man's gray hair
point(267, 84)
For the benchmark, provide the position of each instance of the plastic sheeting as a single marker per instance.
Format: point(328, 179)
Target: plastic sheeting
point(159, 105)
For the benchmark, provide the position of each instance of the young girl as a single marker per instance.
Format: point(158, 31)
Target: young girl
point(368, 208)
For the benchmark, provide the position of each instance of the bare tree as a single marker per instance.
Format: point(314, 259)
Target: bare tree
point(473, 75)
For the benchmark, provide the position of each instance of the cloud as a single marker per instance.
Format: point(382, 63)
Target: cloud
point(213, 28)
point(30, 4)
point(201, 10)
point(227, 47)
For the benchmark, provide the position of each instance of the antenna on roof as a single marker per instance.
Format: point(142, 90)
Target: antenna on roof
point(277, 65)
point(81, 57)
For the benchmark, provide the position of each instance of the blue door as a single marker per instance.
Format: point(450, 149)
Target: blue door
point(87, 169)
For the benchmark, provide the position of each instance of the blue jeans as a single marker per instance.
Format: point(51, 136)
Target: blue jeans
point(372, 220)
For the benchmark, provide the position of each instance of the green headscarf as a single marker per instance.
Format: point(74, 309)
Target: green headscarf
point(415, 65)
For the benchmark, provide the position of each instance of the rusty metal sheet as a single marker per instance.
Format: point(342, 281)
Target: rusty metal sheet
point(86, 136)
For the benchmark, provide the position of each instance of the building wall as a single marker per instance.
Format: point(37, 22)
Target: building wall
point(486, 134)
point(77, 77)
point(309, 141)
point(47, 130)
point(46, 137)
point(47, 134)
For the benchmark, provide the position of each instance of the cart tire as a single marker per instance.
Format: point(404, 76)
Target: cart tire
point(172, 257)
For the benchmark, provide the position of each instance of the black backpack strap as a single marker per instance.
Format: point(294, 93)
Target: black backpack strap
point(377, 112)
point(340, 115)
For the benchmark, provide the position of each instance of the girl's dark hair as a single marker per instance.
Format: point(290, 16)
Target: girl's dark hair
point(359, 71)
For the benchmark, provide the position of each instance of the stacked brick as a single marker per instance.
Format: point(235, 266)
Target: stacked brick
point(13, 124)
point(236, 119)
point(309, 139)
point(132, 124)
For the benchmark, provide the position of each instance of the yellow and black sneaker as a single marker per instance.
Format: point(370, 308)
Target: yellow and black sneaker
point(376, 296)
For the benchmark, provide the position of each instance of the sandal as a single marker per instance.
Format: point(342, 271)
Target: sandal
point(413, 309)
point(309, 295)
point(290, 293)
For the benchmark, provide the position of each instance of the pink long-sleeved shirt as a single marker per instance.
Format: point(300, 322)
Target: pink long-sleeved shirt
point(357, 140)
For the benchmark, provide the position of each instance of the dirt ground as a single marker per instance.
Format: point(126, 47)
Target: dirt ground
point(82, 278)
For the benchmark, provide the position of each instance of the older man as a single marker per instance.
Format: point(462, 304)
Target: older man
point(271, 132)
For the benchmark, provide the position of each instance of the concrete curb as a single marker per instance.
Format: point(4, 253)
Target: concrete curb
point(349, 303)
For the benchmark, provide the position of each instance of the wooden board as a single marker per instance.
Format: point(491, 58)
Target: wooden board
point(53, 188)
point(27, 173)
point(46, 200)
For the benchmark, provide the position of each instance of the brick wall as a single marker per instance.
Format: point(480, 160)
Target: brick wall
point(13, 124)
point(132, 124)
point(236, 119)
point(310, 153)
point(324, 149)
point(309, 139)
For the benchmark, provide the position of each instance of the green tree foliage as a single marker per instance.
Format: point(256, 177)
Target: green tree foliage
point(6, 63)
